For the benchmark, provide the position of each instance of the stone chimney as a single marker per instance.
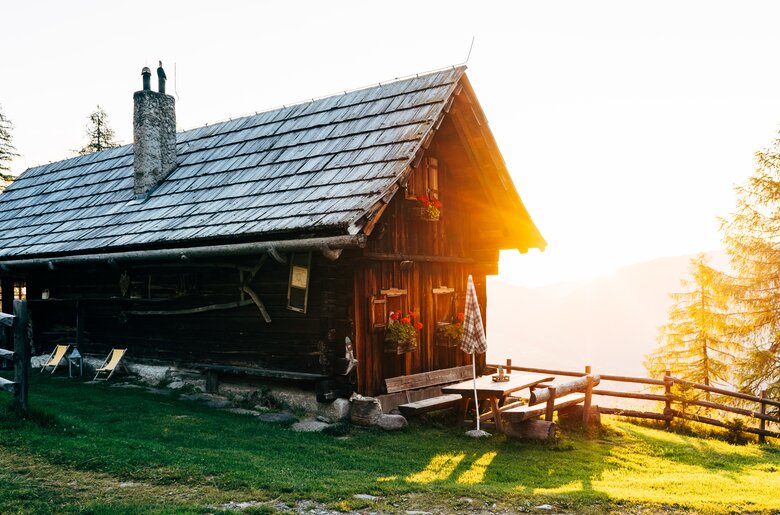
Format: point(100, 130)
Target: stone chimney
point(154, 134)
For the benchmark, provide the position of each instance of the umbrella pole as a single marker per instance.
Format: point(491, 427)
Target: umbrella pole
point(474, 376)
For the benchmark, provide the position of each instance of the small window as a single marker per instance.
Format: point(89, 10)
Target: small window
point(378, 312)
point(20, 290)
point(444, 305)
point(298, 289)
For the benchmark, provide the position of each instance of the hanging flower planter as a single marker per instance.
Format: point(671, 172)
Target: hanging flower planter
point(401, 333)
point(450, 334)
point(426, 209)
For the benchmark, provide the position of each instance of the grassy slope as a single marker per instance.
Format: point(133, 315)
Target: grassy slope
point(102, 449)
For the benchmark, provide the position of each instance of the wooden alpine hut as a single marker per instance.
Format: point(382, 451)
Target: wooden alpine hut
point(280, 245)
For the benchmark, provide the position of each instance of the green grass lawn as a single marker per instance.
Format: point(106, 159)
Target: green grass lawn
point(99, 449)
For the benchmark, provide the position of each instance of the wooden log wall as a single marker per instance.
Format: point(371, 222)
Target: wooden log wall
point(87, 306)
point(418, 256)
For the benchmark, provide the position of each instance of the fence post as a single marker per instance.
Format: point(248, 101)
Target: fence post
point(762, 422)
point(668, 402)
point(508, 365)
point(588, 399)
point(21, 358)
point(550, 408)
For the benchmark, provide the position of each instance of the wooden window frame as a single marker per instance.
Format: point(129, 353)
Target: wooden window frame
point(293, 266)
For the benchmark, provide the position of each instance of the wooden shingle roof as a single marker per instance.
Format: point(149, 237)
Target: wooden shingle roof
point(318, 167)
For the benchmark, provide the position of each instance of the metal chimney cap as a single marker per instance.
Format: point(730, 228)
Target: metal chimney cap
point(146, 71)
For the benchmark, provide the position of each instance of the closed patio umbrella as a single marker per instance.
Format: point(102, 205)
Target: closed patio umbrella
point(473, 341)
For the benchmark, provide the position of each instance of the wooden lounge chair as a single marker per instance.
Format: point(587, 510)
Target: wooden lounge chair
point(110, 364)
point(56, 356)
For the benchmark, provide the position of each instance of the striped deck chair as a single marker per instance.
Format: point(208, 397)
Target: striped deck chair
point(110, 364)
point(57, 355)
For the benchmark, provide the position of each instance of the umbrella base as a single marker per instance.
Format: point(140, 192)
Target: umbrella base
point(478, 433)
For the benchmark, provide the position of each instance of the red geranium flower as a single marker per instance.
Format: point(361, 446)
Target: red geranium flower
point(393, 316)
point(423, 199)
point(461, 317)
point(405, 320)
point(412, 314)
point(437, 204)
point(418, 325)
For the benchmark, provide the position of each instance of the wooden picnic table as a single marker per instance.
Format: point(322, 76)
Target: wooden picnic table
point(495, 392)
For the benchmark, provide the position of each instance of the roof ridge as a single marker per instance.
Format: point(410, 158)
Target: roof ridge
point(336, 93)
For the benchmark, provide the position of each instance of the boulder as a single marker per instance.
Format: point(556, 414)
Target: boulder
point(366, 411)
point(392, 422)
point(336, 410)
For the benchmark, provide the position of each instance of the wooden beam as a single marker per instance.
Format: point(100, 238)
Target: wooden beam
point(201, 309)
point(729, 393)
point(259, 303)
point(578, 385)
point(378, 256)
point(279, 258)
point(331, 254)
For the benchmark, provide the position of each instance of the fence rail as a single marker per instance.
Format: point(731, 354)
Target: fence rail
point(668, 398)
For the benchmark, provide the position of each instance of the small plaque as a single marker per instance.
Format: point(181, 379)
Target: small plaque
point(300, 277)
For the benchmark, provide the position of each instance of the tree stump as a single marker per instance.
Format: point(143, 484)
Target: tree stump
point(366, 411)
point(572, 416)
point(531, 430)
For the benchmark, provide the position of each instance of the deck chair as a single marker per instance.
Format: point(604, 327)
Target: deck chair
point(55, 358)
point(111, 363)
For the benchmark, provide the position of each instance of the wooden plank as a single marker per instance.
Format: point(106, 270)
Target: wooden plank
point(715, 422)
point(578, 385)
point(423, 379)
point(7, 354)
point(543, 371)
point(729, 393)
point(630, 395)
point(521, 413)
point(378, 256)
point(8, 386)
point(732, 409)
point(432, 404)
point(630, 379)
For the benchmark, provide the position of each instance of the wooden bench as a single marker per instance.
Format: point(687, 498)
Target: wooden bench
point(545, 402)
point(420, 393)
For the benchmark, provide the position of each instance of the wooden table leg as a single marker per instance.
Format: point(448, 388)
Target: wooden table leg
point(496, 414)
point(462, 409)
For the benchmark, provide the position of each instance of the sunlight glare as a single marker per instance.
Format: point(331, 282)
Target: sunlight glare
point(439, 469)
point(476, 473)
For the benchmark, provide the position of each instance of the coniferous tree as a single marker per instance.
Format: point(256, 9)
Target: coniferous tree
point(700, 342)
point(7, 150)
point(752, 239)
point(100, 134)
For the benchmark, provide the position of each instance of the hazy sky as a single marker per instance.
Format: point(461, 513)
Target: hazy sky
point(625, 125)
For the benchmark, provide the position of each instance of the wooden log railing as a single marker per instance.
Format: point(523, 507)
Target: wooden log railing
point(668, 398)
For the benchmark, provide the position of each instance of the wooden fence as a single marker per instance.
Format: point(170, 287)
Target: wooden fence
point(758, 418)
point(21, 360)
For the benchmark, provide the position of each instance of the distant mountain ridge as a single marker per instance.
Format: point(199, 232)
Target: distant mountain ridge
point(610, 323)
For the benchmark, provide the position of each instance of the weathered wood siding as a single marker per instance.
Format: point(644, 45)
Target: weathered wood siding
point(86, 306)
point(442, 253)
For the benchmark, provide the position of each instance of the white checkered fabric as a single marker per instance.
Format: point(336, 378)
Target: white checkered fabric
point(473, 331)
